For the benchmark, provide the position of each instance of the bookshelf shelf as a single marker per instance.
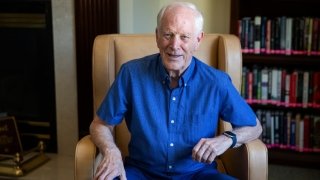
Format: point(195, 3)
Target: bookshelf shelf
point(274, 10)
point(292, 158)
point(309, 62)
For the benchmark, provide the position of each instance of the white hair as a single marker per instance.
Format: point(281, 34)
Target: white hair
point(198, 14)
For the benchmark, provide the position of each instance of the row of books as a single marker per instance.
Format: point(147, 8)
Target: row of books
point(281, 87)
point(280, 35)
point(286, 130)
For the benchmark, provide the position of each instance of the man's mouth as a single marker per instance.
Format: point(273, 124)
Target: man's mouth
point(174, 55)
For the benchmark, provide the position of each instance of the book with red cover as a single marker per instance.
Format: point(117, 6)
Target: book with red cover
point(293, 89)
point(315, 36)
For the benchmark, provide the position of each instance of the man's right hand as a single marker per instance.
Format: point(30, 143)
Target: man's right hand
point(111, 165)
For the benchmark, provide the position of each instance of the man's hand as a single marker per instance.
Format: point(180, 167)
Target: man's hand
point(111, 166)
point(208, 149)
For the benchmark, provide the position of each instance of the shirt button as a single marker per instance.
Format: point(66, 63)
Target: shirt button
point(185, 84)
point(172, 121)
point(174, 98)
point(171, 144)
point(170, 167)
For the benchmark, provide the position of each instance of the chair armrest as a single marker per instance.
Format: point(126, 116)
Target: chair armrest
point(249, 161)
point(85, 155)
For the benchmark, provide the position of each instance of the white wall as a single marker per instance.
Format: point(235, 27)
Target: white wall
point(65, 75)
point(139, 16)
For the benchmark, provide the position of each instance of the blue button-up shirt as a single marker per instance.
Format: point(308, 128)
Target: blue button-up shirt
point(165, 123)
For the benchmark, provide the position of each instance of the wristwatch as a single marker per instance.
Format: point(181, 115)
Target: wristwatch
point(231, 135)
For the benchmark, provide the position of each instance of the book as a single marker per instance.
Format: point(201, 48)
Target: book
point(257, 34)
point(299, 87)
point(256, 83)
point(287, 90)
point(292, 133)
point(293, 89)
point(316, 133)
point(264, 85)
point(245, 26)
point(298, 133)
point(288, 38)
point(250, 85)
point(283, 86)
point(309, 36)
point(288, 130)
point(283, 24)
point(306, 133)
point(315, 36)
point(263, 32)
point(305, 89)
point(274, 85)
point(277, 35)
point(316, 89)
point(251, 37)
point(277, 128)
point(244, 82)
point(268, 37)
point(269, 128)
point(306, 35)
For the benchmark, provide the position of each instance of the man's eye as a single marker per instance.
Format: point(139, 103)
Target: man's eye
point(185, 37)
point(167, 36)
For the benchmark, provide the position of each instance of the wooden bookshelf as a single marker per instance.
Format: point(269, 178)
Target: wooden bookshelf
point(273, 9)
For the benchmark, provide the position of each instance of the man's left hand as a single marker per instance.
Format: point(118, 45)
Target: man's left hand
point(207, 149)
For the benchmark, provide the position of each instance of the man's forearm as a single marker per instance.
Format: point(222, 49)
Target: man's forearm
point(248, 133)
point(101, 135)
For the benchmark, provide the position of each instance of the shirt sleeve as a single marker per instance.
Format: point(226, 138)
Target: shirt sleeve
point(115, 104)
point(234, 108)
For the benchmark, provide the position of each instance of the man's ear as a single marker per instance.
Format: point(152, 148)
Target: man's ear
point(200, 36)
point(157, 36)
point(199, 39)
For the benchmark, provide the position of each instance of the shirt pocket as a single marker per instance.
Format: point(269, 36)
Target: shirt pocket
point(197, 126)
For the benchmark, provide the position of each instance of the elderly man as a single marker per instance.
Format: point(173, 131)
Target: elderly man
point(172, 103)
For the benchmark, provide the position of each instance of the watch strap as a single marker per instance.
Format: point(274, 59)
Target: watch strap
point(231, 135)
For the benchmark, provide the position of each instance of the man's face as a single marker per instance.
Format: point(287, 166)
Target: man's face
point(177, 39)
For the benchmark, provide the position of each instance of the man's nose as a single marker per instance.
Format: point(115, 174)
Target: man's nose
point(175, 42)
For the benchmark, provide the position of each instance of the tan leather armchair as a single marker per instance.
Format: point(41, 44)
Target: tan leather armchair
point(250, 161)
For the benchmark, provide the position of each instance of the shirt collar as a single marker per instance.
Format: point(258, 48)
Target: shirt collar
point(184, 79)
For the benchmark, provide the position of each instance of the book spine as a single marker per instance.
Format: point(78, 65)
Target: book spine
point(288, 36)
point(299, 89)
point(257, 34)
point(287, 90)
point(316, 134)
point(306, 133)
point(268, 37)
point(293, 89)
point(309, 43)
point(305, 93)
point(315, 36)
point(316, 89)
point(263, 36)
point(264, 85)
point(283, 24)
